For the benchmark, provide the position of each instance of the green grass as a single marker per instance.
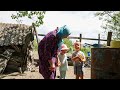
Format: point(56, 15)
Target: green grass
point(35, 45)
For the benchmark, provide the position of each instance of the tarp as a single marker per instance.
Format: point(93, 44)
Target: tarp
point(4, 58)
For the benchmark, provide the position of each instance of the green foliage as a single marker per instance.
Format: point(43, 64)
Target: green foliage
point(85, 50)
point(111, 22)
point(39, 15)
point(35, 45)
point(68, 42)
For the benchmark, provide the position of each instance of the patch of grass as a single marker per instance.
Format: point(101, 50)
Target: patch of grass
point(35, 45)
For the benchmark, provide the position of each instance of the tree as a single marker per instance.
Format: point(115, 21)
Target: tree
point(111, 21)
point(36, 16)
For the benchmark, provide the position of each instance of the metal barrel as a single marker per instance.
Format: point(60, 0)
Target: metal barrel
point(105, 63)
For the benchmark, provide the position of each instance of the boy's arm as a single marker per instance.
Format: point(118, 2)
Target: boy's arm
point(74, 58)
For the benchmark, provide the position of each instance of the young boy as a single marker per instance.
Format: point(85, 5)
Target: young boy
point(63, 60)
point(78, 58)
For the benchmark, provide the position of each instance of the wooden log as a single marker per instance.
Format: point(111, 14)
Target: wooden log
point(36, 34)
point(109, 38)
point(98, 40)
point(80, 38)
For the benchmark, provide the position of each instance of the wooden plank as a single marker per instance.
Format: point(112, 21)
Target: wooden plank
point(36, 34)
point(41, 34)
point(80, 37)
point(109, 38)
point(99, 40)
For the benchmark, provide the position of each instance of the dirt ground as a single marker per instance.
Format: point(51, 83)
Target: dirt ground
point(37, 75)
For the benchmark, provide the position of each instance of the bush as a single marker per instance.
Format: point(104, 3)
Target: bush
point(35, 45)
point(85, 50)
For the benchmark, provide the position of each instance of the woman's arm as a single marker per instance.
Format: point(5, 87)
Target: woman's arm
point(58, 61)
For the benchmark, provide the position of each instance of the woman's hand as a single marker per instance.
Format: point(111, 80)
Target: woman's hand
point(58, 62)
point(52, 65)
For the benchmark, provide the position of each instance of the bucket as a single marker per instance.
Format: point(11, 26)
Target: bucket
point(88, 53)
point(115, 44)
point(105, 63)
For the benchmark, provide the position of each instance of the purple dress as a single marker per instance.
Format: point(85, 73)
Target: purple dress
point(48, 48)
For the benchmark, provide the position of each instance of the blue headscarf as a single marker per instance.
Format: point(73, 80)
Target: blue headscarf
point(62, 31)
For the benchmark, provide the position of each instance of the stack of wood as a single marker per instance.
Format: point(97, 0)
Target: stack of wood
point(17, 39)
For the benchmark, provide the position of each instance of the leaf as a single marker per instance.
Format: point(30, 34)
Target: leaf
point(30, 15)
point(111, 21)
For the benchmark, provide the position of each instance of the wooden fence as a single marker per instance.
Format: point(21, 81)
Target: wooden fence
point(80, 37)
point(99, 39)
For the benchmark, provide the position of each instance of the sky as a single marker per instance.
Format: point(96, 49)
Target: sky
point(83, 22)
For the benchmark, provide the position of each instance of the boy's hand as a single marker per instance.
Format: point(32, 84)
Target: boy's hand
point(81, 56)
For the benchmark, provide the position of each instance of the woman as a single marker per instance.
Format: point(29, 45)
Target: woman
point(48, 51)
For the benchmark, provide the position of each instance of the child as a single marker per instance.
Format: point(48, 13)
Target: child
point(78, 58)
point(63, 60)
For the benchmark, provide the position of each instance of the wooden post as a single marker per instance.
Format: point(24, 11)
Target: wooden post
point(109, 38)
point(98, 40)
point(80, 38)
point(36, 34)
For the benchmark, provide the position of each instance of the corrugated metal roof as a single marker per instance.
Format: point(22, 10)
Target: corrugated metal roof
point(13, 34)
